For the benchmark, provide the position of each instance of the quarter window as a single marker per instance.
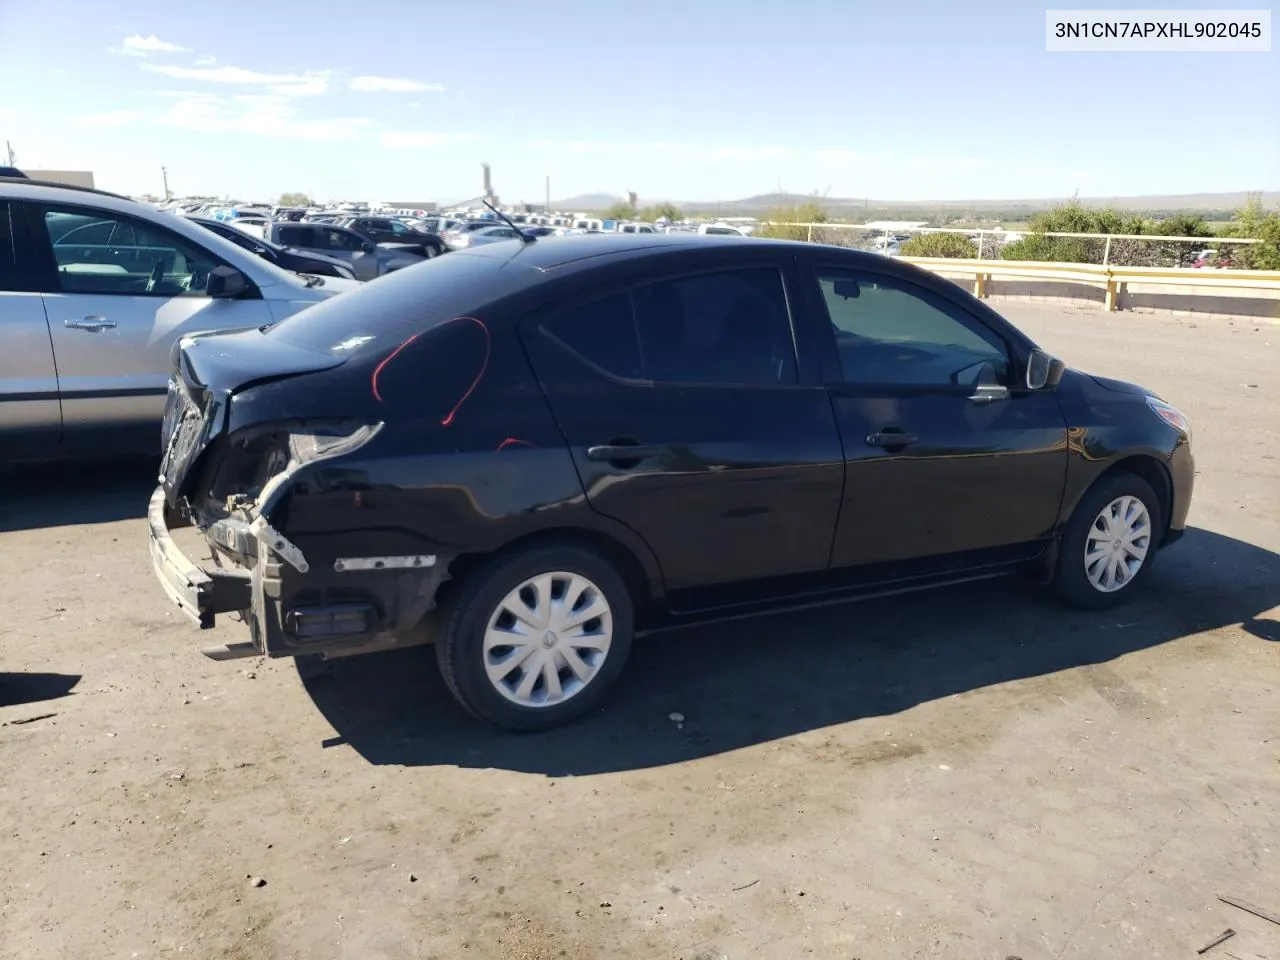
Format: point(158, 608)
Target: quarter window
point(101, 252)
point(892, 334)
point(728, 327)
point(295, 236)
point(8, 264)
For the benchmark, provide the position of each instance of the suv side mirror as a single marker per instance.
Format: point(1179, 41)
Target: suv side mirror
point(1043, 371)
point(368, 247)
point(226, 283)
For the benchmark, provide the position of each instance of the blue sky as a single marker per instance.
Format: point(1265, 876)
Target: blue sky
point(678, 99)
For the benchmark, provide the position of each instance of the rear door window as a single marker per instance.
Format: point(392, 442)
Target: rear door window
point(729, 327)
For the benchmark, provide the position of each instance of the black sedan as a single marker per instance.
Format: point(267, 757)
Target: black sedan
point(530, 452)
point(282, 257)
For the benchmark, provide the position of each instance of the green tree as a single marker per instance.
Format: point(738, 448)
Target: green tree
point(660, 210)
point(1255, 222)
point(294, 200)
point(939, 245)
point(620, 211)
point(808, 212)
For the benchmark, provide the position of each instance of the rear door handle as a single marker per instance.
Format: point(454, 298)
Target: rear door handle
point(612, 452)
point(892, 438)
point(94, 322)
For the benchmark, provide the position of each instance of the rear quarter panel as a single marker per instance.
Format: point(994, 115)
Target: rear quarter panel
point(469, 460)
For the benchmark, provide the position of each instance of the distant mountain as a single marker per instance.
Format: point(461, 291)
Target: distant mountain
point(588, 201)
point(851, 206)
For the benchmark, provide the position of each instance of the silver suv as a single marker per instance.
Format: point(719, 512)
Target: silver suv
point(94, 291)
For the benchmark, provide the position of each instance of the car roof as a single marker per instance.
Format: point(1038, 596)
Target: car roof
point(550, 253)
point(55, 192)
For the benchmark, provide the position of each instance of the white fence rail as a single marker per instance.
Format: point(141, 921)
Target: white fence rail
point(989, 241)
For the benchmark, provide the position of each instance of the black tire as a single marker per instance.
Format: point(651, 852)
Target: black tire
point(1070, 581)
point(465, 618)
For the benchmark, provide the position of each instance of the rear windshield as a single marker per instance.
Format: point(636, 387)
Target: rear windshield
point(383, 313)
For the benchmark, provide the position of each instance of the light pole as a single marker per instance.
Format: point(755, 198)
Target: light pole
point(164, 172)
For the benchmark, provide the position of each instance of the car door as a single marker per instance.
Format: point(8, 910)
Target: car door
point(680, 400)
point(117, 292)
point(951, 461)
point(30, 414)
point(360, 252)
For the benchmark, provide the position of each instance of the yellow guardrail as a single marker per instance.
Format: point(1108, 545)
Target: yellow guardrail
point(1109, 278)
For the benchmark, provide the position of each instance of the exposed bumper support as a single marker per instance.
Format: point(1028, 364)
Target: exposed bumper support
point(200, 594)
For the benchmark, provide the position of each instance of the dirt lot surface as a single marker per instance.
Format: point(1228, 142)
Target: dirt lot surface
point(976, 773)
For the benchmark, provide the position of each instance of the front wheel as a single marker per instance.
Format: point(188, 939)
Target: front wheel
point(1109, 543)
point(536, 638)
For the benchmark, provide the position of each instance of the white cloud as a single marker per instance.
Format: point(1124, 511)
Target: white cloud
point(139, 46)
point(264, 115)
point(282, 84)
point(205, 61)
point(109, 118)
point(422, 138)
point(249, 115)
point(393, 85)
point(665, 148)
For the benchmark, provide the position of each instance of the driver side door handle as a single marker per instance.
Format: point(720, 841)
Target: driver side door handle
point(987, 393)
point(94, 323)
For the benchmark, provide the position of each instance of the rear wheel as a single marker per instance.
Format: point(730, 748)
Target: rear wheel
point(535, 639)
point(1109, 543)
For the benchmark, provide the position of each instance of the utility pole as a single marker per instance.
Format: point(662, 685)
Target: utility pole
point(164, 172)
point(9, 150)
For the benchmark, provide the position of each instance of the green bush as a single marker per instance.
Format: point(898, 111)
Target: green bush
point(1254, 222)
point(1037, 246)
point(808, 212)
point(939, 245)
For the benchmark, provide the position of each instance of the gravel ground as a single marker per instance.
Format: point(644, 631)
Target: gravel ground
point(988, 776)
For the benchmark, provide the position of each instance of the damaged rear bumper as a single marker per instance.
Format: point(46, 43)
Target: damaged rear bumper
point(339, 606)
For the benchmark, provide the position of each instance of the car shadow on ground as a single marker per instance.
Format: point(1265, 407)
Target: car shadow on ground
point(20, 688)
point(33, 496)
point(749, 682)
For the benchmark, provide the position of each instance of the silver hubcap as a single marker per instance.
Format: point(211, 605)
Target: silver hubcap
point(547, 639)
point(1117, 544)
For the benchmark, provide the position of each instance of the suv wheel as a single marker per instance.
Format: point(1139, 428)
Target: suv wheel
point(535, 638)
point(1109, 543)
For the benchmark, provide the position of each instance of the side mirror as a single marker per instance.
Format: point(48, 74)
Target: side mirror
point(226, 283)
point(1044, 371)
point(367, 247)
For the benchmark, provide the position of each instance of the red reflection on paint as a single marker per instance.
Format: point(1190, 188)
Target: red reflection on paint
point(514, 442)
point(488, 344)
point(386, 360)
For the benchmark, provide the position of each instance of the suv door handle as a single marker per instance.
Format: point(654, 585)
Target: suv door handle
point(892, 438)
point(621, 452)
point(94, 323)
